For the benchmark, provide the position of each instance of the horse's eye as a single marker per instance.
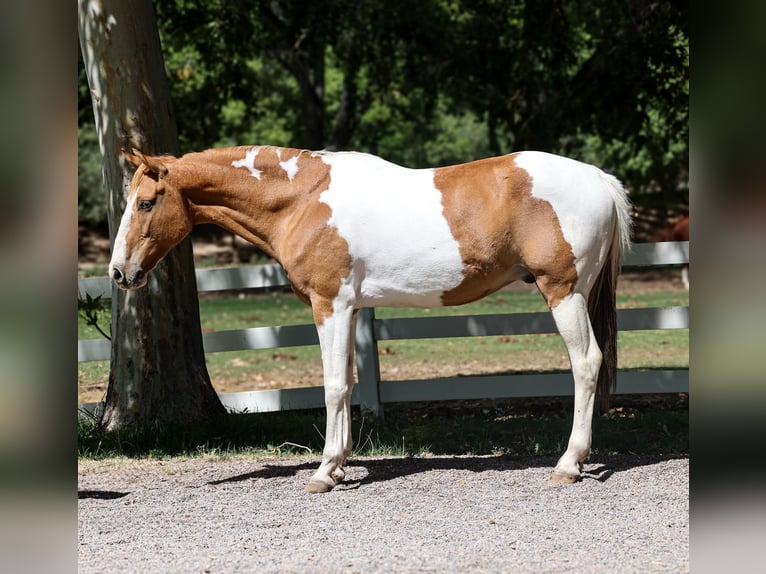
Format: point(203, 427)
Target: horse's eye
point(145, 204)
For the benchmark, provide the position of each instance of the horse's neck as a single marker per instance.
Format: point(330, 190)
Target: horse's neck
point(250, 194)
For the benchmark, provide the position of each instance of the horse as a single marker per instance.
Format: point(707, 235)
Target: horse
point(677, 230)
point(353, 230)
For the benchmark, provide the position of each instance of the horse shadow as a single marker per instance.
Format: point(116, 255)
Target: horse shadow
point(100, 494)
point(384, 469)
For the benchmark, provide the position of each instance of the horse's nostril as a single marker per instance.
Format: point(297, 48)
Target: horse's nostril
point(117, 275)
point(139, 275)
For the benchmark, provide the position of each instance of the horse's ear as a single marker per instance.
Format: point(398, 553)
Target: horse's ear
point(133, 159)
point(153, 164)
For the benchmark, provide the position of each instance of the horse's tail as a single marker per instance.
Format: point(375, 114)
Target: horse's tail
point(602, 302)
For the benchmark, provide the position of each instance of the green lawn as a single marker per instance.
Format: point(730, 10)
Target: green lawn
point(224, 313)
point(421, 358)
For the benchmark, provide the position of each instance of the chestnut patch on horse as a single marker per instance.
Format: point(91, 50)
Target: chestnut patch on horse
point(316, 256)
point(503, 231)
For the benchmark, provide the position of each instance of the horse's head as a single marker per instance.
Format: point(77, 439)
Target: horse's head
point(155, 220)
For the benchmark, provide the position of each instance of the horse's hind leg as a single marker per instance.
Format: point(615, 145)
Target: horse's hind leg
point(573, 322)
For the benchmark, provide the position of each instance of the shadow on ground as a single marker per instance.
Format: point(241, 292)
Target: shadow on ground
point(385, 469)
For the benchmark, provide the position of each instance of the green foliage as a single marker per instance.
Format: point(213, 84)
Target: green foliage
point(458, 135)
point(434, 82)
point(92, 311)
point(91, 197)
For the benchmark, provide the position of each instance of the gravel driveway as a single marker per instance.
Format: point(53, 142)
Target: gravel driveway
point(430, 514)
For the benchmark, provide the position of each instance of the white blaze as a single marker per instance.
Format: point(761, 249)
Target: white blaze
point(119, 248)
point(403, 252)
point(249, 162)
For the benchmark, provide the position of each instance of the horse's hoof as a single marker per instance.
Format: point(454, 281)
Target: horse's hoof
point(315, 486)
point(562, 478)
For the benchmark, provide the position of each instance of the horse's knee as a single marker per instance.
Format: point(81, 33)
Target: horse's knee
point(335, 395)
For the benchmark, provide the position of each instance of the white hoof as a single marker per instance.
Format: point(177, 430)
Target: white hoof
point(562, 478)
point(319, 485)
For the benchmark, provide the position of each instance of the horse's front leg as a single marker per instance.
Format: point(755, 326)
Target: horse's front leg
point(336, 339)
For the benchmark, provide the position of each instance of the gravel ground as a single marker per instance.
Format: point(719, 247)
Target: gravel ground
point(430, 514)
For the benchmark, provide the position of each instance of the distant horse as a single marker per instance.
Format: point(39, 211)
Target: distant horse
point(677, 230)
point(353, 230)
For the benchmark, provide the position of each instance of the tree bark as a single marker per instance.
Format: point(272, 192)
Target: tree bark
point(158, 372)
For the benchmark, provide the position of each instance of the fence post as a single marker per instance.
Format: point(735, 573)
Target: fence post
point(367, 364)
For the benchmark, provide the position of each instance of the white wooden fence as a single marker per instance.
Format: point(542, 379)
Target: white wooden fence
point(370, 392)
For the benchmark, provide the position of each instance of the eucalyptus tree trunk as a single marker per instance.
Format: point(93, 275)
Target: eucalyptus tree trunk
point(158, 372)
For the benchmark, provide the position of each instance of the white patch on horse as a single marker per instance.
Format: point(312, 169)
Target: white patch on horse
point(578, 194)
point(290, 166)
point(249, 162)
point(403, 252)
point(120, 247)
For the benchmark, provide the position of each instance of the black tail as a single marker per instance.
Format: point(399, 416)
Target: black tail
point(602, 308)
point(602, 302)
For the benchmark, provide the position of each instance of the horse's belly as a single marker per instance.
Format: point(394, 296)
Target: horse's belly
point(416, 286)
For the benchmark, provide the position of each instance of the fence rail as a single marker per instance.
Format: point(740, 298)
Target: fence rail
point(370, 392)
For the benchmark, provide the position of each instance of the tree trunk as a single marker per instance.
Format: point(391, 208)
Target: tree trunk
point(158, 371)
point(309, 71)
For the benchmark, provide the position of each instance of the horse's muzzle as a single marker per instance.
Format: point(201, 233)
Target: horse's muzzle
point(128, 281)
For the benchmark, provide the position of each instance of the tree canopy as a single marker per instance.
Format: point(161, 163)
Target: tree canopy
point(434, 82)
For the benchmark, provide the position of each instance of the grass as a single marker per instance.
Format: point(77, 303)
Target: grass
point(510, 427)
point(218, 313)
point(413, 359)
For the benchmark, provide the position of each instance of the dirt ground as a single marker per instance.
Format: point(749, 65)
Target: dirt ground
point(421, 514)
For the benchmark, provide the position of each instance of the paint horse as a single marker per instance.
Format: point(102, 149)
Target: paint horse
point(353, 230)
